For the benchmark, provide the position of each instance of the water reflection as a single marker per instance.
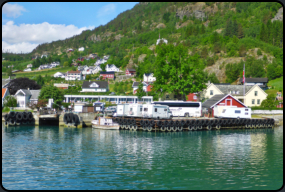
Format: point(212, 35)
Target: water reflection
point(71, 158)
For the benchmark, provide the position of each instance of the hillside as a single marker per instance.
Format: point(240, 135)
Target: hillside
point(219, 35)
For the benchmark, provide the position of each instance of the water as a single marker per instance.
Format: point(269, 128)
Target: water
point(69, 158)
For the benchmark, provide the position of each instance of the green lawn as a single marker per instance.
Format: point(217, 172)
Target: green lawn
point(44, 72)
point(277, 84)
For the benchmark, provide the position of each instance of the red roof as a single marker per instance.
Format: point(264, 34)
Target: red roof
point(3, 92)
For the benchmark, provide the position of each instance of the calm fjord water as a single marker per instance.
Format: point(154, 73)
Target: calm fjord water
point(69, 158)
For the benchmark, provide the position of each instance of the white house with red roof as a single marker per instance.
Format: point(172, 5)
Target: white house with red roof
point(74, 75)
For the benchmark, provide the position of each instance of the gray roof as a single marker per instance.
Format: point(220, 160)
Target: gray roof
point(213, 100)
point(5, 82)
point(35, 94)
point(136, 84)
point(255, 80)
point(102, 84)
point(26, 91)
point(235, 89)
point(148, 74)
point(132, 70)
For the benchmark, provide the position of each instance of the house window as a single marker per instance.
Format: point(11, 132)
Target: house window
point(258, 101)
point(252, 102)
point(211, 92)
point(255, 93)
point(144, 109)
point(237, 111)
point(155, 109)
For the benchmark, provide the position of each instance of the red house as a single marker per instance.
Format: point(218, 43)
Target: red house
point(221, 100)
point(192, 97)
point(80, 59)
point(107, 75)
point(130, 72)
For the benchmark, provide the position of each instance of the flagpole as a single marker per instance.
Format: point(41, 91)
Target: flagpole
point(243, 82)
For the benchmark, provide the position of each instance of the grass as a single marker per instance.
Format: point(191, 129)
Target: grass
point(43, 72)
point(277, 85)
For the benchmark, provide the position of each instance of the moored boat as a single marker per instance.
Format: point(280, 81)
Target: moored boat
point(104, 123)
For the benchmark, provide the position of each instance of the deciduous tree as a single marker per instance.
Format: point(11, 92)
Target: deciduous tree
point(22, 83)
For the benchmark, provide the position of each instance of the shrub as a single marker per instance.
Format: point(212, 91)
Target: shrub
point(259, 52)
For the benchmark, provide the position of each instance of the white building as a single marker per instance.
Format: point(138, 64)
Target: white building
point(148, 77)
point(112, 67)
point(100, 61)
point(29, 66)
point(54, 64)
point(162, 40)
point(97, 69)
point(95, 86)
point(74, 75)
point(28, 69)
point(44, 56)
point(25, 96)
point(59, 74)
point(81, 49)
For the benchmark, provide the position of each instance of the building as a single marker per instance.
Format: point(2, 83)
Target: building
point(81, 49)
point(44, 56)
point(5, 82)
point(112, 67)
point(253, 96)
point(279, 98)
point(26, 96)
point(80, 59)
point(95, 86)
point(59, 74)
point(29, 66)
point(148, 77)
point(61, 85)
point(70, 50)
point(96, 69)
point(161, 40)
point(192, 97)
point(54, 64)
point(221, 100)
point(108, 75)
point(130, 72)
point(74, 75)
point(114, 99)
point(28, 69)
point(5, 93)
point(261, 82)
point(100, 61)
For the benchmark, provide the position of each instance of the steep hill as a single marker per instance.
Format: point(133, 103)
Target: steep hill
point(218, 34)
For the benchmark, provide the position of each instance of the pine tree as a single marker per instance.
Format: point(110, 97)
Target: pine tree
point(203, 29)
point(235, 28)
point(262, 32)
point(240, 31)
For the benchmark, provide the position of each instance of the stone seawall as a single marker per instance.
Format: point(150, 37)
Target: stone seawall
point(266, 112)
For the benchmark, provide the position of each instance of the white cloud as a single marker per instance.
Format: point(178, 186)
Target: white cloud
point(12, 10)
point(34, 34)
point(106, 10)
point(24, 47)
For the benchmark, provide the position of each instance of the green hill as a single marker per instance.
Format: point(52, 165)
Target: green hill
point(221, 36)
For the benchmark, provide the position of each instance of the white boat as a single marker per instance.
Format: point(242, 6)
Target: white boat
point(104, 123)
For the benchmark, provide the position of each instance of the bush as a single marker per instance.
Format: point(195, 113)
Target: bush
point(6, 109)
point(259, 52)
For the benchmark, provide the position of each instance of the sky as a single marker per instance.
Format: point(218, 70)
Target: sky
point(25, 25)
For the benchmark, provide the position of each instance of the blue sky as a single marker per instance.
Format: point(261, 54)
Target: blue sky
point(27, 24)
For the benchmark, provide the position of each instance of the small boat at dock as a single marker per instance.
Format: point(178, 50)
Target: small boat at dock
point(104, 123)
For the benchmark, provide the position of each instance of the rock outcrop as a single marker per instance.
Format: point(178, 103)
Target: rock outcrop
point(195, 10)
point(279, 15)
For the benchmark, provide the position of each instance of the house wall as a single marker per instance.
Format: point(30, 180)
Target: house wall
point(94, 90)
point(150, 78)
point(228, 101)
point(250, 96)
point(191, 97)
point(216, 91)
point(22, 101)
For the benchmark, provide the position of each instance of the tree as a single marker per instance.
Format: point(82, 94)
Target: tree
point(22, 83)
point(165, 17)
point(10, 101)
point(140, 91)
point(66, 64)
point(242, 50)
point(42, 103)
point(213, 78)
point(40, 80)
point(178, 72)
point(240, 31)
point(51, 92)
point(270, 102)
point(204, 53)
point(259, 52)
point(9, 72)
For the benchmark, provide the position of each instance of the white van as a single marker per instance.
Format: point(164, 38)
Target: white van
point(232, 112)
point(156, 111)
